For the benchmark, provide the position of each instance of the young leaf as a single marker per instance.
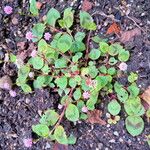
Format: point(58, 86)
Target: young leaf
point(134, 125)
point(77, 46)
point(39, 82)
point(77, 94)
point(111, 71)
point(134, 90)
point(114, 49)
point(112, 61)
point(33, 8)
point(72, 113)
point(61, 82)
point(37, 31)
point(132, 77)
point(52, 16)
point(37, 62)
point(42, 46)
point(49, 118)
point(124, 55)
point(60, 135)
point(104, 47)
point(41, 130)
point(64, 43)
point(67, 20)
point(94, 54)
point(133, 106)
point(79, 36)
point(72, 139)
point(26, 88)
point(114, 107)
point(122, 95)
point(60, 63)
point(86, 21)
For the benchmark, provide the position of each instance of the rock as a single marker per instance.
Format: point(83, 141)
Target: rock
point(100, 145)
point(112, 141)
point(48, 146)
point(116, 133)
point(5, 83)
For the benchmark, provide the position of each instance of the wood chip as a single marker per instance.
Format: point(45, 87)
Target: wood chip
point(146, 96)
point(86, 5)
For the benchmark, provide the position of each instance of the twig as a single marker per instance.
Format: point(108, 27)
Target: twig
point(107, 16)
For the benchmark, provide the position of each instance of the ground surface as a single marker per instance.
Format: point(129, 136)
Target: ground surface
point(18, 114)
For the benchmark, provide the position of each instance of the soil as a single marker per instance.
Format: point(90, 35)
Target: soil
point(18, 114)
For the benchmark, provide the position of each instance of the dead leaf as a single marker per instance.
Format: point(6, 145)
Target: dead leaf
point(129, 35)
point(94, 117)
point(146, 96)
point(86, 5)
point(114, 28)
point(58, 146)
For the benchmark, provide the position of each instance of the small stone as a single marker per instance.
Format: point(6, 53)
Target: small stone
point(5, 83)
point(12, 93)
point(48, 146)
point(112, 141)
point(108, 115)
point(121, 140)
point(15, 21)
point(116, 133)
point(108, 125)
point(100, 145)
point(27, 100)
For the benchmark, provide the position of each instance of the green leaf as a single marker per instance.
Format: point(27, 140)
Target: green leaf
point(97, 39)
point(134, 90)
point(114, 49)
point(33, 8)
point(64, 43)
point(103, 69)
point(61, 82)
point(114, 107)
point(61, 63)
point(132, 77)
point(101, 82)
point(42, 46)
point(134, 125)
point(72, 82)
point(37, 62)
point(112, 61)
point(77, 46)
point(76, 57)
point(23, 73)
point(67, 20)
point(45, 69)
point(104, 47)
point(72, 139)
point(37, 31)
point(52, 16)
point(86, 21)
point(41, 130)
point(133, 106)
point(39, 82)
point(92, 71)
point(49, 118)
point(77, 94)
point(12, 58)
point(79, 36)
point(72, 113)
point(60, 135)
point(112, 71)
point(26, 88)
point(124, 55)
point(122, 95)
point(94, 54)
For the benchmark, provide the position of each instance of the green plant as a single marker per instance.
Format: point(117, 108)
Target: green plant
point(67, 64)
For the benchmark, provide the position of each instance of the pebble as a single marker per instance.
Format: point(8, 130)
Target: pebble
point(108, 125)
point(116, 133)
point(100, 145)
point(112, 141)
point(47, 146)
point(120, 140)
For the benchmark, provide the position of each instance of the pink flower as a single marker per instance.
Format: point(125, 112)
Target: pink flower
point(60, 106)
point(29, 36)
point(27, 142)
point(8, 10)
point(123, 66)
point(7, 86)
point(47, 36)
point(86, 95)
point(12, 93)
point(33, 53)
point(84, 109)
